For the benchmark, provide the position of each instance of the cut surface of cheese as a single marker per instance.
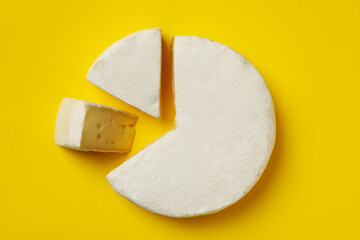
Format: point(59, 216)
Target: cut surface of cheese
point(88, 126)
point(130, 69)
point(223, 140)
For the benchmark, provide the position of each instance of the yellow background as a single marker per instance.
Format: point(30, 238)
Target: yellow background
point(308, 53)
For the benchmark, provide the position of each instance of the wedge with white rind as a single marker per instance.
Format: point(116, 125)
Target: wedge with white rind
point(88, 126)
point(224, 137)
point(130, 69)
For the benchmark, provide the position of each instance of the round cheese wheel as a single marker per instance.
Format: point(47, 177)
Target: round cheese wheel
point(224, 136)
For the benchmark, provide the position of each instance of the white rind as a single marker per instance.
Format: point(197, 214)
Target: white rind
point(76, 122)
point(224, 137)
point(69, 122)
point(130, 69)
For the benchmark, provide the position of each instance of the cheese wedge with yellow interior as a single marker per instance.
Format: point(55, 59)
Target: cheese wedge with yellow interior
point(88, 126)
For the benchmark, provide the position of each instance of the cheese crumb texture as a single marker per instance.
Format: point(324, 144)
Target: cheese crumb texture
point(88, 126)
point(224, 137)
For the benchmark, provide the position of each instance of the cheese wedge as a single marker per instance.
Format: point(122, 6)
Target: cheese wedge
point(223, 140)
point(88, 126)
point(130, 69)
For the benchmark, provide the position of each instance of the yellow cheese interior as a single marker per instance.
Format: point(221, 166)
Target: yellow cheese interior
point(108, 130)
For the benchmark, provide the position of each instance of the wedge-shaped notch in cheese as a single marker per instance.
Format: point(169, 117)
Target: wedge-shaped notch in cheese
point(224, 137)
point(88, 126)
point(130, 69)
